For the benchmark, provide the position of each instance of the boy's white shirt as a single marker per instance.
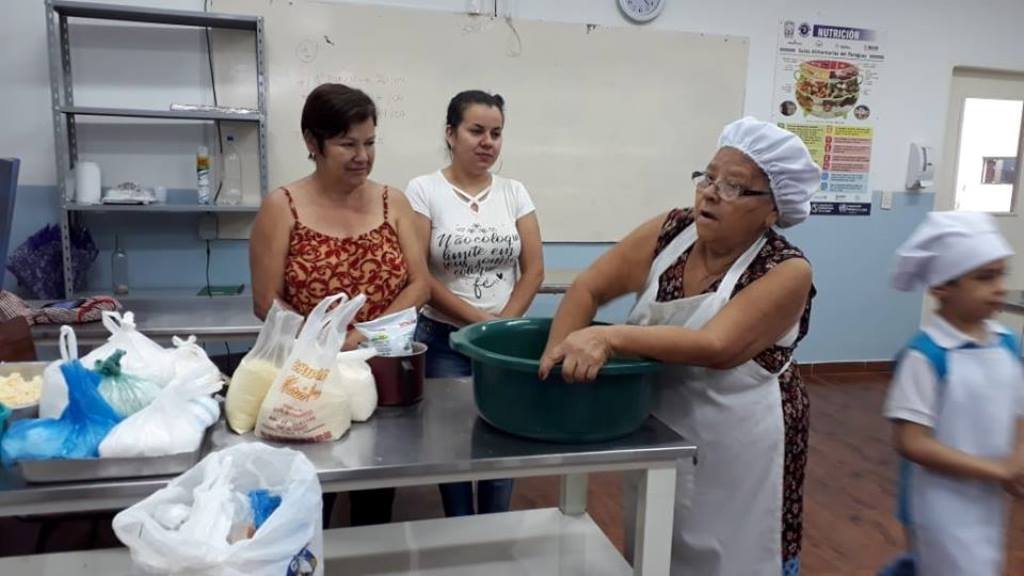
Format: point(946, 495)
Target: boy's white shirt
point(913, 394)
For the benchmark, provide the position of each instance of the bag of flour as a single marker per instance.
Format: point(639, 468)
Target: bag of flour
point(258, 370)
point(307, 402)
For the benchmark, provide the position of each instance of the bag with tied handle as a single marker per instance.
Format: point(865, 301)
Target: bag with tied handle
point(189, 357)
point(143, 357)
point(258, 370)
point(173, 423)
point(126, 393)
point(307, 401)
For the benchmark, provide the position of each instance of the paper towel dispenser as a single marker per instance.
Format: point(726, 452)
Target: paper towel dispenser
point(920, 167)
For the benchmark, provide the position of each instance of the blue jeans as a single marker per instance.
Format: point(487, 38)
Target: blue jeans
point(443, 362)
point(491, 496)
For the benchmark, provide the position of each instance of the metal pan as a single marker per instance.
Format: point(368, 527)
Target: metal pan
point(89, 469)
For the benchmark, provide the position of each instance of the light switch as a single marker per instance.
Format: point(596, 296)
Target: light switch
point(886, 203)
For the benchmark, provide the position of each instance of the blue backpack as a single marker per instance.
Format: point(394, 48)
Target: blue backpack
point(904, 565)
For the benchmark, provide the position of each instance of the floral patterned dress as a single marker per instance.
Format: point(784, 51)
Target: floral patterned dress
point(320, 265)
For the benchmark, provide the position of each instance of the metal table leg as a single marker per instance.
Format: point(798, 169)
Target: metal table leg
point(652, 553)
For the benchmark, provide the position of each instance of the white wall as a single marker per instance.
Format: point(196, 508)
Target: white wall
point(925, 40)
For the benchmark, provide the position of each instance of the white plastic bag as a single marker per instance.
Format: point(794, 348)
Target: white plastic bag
point(143, 357)
point(170, 424)
point(307, 402)
point(54, 396)
point(185, 527)
point(391, 335)
point(358, 382)
point(258, 370)
point(187, 355)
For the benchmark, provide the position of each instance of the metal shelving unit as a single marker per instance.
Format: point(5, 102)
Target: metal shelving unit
point(65, 112)
point(165, 114)
point(162, 208)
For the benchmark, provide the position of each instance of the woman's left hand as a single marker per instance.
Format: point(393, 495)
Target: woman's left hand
point(352, 340)
point(582, 354)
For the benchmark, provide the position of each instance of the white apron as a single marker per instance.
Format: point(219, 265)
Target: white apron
point(959, 525)
point(728, 518)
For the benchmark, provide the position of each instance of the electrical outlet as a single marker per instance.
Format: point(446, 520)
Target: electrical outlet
point(886, 203)
point(208, 227)
point(475, 6)
point(234, 226)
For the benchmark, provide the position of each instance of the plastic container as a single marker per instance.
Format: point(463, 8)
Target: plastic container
point(203, 174)
point(119, 268)
point(231, 184)
point(509, 395)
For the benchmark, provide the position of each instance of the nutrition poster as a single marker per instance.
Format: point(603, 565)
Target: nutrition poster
point(826, 79)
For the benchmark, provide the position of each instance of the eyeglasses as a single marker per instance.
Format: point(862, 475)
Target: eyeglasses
point(726, 191)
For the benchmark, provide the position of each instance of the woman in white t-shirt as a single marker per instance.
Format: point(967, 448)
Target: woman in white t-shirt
point(485, 255)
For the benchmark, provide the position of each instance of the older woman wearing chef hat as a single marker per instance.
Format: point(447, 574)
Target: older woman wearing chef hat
point(723, 300)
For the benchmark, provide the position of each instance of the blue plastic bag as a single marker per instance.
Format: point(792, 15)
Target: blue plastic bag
point(76, 434)
point(38, 266)
point(263, 504)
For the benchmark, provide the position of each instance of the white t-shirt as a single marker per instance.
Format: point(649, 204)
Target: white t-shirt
point(913, 393)
point(475, 254)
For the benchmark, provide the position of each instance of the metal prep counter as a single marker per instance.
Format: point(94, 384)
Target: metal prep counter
point(441, 439)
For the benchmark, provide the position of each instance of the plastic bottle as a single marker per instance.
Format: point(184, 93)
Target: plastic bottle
point(119, 268)
point(231, 185)
point(203, 174)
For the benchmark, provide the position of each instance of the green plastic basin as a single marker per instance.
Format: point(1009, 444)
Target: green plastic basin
point(505, 355)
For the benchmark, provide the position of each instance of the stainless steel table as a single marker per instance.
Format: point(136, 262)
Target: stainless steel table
point(438, 440)
point(163, 315)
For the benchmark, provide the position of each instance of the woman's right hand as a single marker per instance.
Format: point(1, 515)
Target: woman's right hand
point(582, 354)
point(352, 340)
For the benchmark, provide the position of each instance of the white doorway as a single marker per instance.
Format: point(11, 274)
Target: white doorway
point(982, 155)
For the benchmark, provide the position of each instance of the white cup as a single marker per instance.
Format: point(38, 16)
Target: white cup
point(87, 183)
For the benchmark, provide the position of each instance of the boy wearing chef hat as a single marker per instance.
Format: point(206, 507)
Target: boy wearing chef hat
point(957, 399)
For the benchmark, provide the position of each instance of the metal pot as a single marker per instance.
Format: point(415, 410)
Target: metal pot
point(400, 378)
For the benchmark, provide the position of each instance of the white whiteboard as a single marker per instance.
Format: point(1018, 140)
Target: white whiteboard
point(603, 125)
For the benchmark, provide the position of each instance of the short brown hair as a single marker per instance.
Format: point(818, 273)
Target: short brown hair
point(331, 109)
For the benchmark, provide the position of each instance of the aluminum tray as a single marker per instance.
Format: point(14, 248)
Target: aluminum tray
point(84, 470)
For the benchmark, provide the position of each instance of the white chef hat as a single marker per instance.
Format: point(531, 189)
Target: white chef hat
point(946, 246)
point(784, 158)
